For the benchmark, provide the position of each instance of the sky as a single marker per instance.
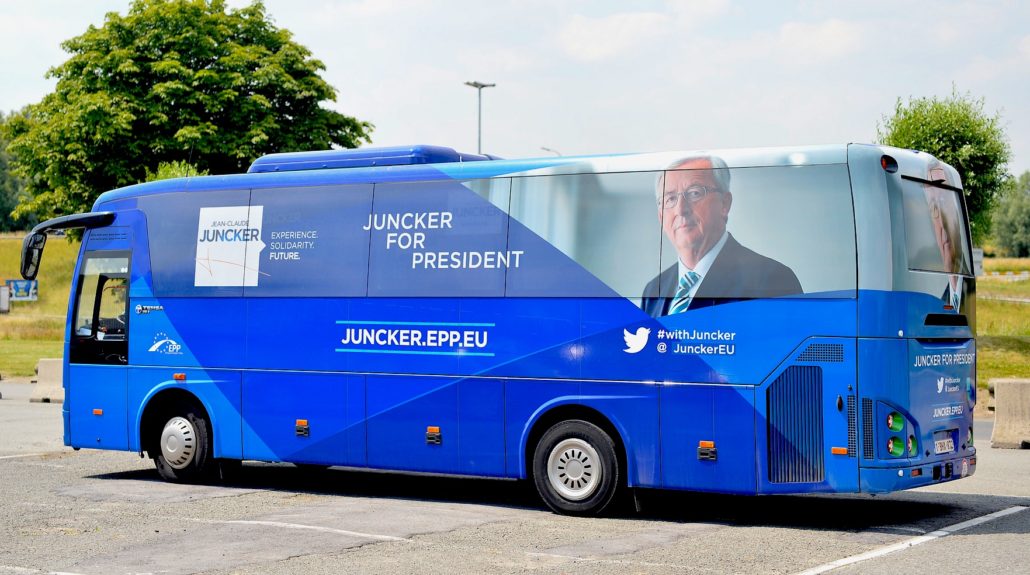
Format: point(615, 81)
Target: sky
point(586, 77)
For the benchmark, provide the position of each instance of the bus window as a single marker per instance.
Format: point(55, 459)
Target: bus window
point(605, 223)
point(935, 227)
point(438, 239)
point(101, 316)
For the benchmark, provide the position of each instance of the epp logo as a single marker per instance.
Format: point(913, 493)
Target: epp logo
point(635, 341)
point(166, 345)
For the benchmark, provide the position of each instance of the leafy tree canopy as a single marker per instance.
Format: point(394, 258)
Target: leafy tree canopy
point(1012, 218)
point(957, 131)
point(172, 81)
point(169, 170)
point(12, 190)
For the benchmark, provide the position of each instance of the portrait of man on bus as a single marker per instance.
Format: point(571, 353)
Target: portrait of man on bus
point(694, 203)
point(946, 219)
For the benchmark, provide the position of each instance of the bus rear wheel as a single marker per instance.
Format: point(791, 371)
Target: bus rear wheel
point(575, 468)
point(183, 448)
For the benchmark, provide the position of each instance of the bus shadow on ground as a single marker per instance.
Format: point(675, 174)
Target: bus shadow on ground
point(904, 513)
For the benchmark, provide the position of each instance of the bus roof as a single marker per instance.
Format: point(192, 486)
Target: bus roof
point(423, 163)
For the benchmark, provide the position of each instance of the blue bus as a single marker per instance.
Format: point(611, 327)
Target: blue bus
point(753, 321)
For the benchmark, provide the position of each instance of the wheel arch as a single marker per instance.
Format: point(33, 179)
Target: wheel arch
point(552, 414)
point(157, 403)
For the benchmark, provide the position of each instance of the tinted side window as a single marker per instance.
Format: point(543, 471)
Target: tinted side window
point(439, 239)
point(602, 229)
point(313, 241)
point(199, 242)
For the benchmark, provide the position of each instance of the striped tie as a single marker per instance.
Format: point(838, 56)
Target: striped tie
point(681, 301)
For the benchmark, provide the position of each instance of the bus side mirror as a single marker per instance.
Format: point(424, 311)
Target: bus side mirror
point(31, 252)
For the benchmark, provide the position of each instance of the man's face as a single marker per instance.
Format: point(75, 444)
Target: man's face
point(944, 227)
point(944, 218)
point(693, 227)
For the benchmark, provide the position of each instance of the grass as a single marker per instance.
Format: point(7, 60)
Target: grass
point(42, 319)
point(999, 286)
point(1001, 356)
point(18, 358)
point(35, 329)
point(1003, 265)
point(990, 287)
point(1003, 328)
point(1002, 318)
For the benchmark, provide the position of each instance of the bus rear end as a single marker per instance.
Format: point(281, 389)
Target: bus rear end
point(916, 320)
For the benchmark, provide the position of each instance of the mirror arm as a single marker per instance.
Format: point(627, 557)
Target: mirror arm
point(32, 246)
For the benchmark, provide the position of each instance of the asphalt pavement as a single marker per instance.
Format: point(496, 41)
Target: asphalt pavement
point(97, 512)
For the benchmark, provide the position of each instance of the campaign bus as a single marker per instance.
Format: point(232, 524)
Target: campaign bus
point(751, 321)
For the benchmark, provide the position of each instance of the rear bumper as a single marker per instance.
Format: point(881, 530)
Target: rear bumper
point(885, 480)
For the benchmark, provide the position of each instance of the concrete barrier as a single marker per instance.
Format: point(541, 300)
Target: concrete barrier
point(49, 386)
point(1011, 413)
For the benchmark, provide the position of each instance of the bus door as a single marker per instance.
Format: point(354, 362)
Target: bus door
point(97, 342)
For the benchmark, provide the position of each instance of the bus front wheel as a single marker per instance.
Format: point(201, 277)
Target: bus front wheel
point(575, 468)
point(182, 453)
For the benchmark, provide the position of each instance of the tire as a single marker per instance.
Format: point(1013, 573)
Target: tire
point(182, 448)
point(575, 468)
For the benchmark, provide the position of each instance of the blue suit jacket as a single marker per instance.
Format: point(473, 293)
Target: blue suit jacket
point(736, 274)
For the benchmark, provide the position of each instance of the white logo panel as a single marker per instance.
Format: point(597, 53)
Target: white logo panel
point(229, 246)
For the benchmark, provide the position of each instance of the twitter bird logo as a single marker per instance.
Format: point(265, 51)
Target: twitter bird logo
point(635, 341)
point(940, 384)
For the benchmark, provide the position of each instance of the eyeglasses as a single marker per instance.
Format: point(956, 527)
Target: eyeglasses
point(691, 195)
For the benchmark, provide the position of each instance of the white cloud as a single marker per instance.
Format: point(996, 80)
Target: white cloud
point(1024, 47)
point(802, 42)
point(592, 39)
point(695, 11)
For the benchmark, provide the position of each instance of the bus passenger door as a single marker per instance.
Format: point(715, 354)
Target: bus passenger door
point(95, 398)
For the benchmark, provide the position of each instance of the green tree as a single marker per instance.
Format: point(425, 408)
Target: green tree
point(957, 131)
point(169, 170)
point(12, 190)
point(1012, 218)
point(173, 80)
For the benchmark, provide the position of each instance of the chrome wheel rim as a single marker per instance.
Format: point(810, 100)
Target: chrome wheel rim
point(178, 442)
point(574, 469)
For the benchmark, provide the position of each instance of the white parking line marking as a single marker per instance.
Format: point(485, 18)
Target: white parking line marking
point(13, 569)
point(901, 546)
point(299, 526)
point(22, 455)
point(607, 561)
point(942, 492)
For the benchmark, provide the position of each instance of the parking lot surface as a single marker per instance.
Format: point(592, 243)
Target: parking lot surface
point(95, 512)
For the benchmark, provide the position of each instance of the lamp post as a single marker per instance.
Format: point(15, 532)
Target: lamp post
point(479, 129)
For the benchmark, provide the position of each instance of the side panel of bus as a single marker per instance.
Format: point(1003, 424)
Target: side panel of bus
point(430, 326)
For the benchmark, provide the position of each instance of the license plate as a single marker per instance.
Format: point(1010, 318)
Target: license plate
point(944, 445)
